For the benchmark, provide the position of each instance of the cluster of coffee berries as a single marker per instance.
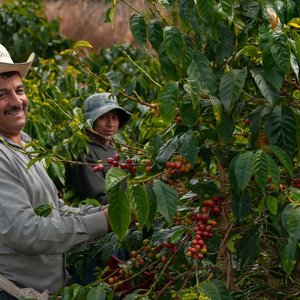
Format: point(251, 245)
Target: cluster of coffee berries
point(297, 183)
point(148, 164)
point(117, 275)
point(154, 109)
point(177, 167)
point(98, 168)
point(248, 122)
point(150, 253)
point(115, 162)
point(204, 224)
point(128, 164)
point(147, 261)
point(183, 219)
point(178, 119)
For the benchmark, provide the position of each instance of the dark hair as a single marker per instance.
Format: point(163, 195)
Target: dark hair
point(9, 74)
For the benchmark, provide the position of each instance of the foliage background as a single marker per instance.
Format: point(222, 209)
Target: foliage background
point(212, 83)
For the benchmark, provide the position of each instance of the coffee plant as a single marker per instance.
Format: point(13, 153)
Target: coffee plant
point(210, 158)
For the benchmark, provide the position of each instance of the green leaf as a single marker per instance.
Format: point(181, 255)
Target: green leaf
point(166, 151)
point(243, 169)
point(43, 210)
point(286, 213)
point(226, 45)
point(281, 52)
point(274, 172)
point(33, 161)
point(205, 189)
point(177, 234)
point(272, 204)
point(256, 128)
point(215, 290)
point(119, 211)
point(166, 200)
point(109, 14)
point(152, 205)
point(78, 291)
point(97, 293)
point(201, 70)
point(166, 65)
point(155, 33)
point(67, 52)
point(168, 100)
point(294, 194)
point(289, 256)
point(185, 7)
point(247, 248)
point(56, 169)
point(296, 45)
point(295, 68)
point(138, 28)
point(250, 51)
point(82, 44)
point(280, 128)
point(293, 224)
point(260, 169)
point(283, 157)
point(232, 241)
point(192, 86)
point(114, 80)
point(113, 177)
point(231, 86)
point(228, 9)
point(295, 22)
point(188, 51)
point(206, 10)
point(297, 118)
point(189, 117)
point(241, 205)
point(187, 147)
point(273, 73)
point(173, 43)
point(140, 204)
point(218, 109)
point(267, 91)
point(226, 129)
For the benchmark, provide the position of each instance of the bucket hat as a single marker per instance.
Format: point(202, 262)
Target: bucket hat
point(99, 104)
point(7, 64)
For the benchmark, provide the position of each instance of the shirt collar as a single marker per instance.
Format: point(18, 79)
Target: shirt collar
point(25, 138)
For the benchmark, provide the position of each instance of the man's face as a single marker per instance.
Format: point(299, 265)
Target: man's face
point(108, 124)
point(13, 106)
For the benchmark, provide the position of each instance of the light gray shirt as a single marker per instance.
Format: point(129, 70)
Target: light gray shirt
point(32, 247)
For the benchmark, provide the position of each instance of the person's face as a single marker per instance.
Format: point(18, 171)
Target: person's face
point(108, 124)
point(13, 106)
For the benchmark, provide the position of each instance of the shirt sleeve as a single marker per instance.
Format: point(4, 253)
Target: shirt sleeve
point(82, 210)
point(22, 230)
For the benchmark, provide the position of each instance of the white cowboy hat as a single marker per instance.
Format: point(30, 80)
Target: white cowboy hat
point(7, 64)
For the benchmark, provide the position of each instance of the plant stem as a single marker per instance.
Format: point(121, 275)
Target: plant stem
point(141, 69)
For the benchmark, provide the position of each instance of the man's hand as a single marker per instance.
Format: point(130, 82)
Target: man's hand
point(103, 207)
point(105, 210)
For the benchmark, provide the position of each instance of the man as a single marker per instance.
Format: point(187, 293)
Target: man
point(106, 118)
point(32, 248)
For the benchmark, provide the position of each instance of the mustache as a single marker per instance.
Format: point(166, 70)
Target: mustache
point(15, 109)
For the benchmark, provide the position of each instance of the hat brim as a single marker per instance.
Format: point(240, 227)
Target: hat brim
point(22, 68)
point(124, 115)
